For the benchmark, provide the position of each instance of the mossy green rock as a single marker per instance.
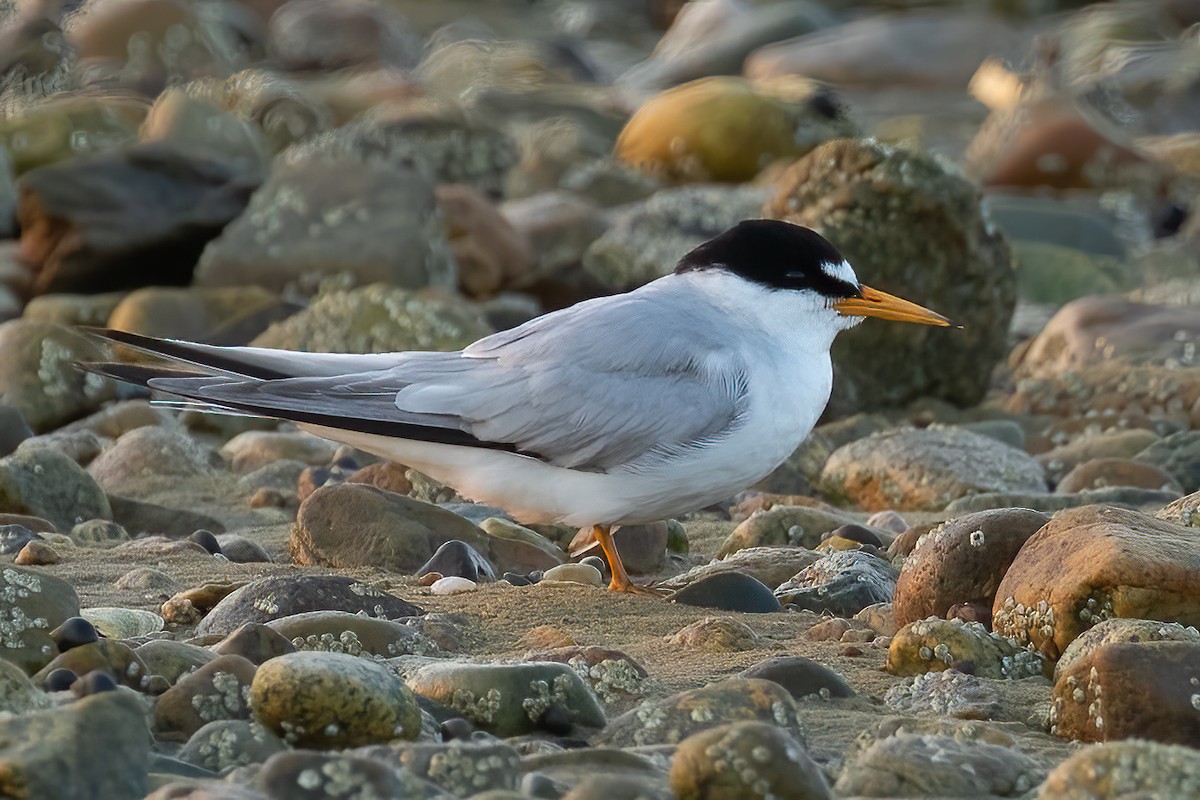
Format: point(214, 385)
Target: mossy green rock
point(31, 605)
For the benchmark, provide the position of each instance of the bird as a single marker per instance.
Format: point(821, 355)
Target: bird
point(618, 410)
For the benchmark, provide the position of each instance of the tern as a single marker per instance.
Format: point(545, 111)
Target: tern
point(618, 410)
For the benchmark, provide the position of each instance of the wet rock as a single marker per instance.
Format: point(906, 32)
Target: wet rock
point(33, 604)
point(672, 719)
point(352, 525)
point(647, 239)
point(939, 644)
point(343, 632)
point(800, 676)
point(508, 699)
point(927, 469)
point(217, 690)
point(938, 766)
point(726, 129)
point(716, 635)
point(1179, 456)
point(459, 559)
point(112, 220)
point(100, 742)
point(14, 537)
point(744, 759)
point(253, 450)
point(1129, 690)
point(771, 566)
point(783, 525)
point(1113, 631)
point(878, 205)
point(172, 660)
point(319, 217)
point(223, 744)
point(332, 700)
point(841, 583)
point(729, 591)
point(315, 35)
point(38, 376)
point(1124, 769)
point(281, 596)
point(1094, 563)
point(947, 693)
point(382, 319)
point(148, 458)
point(255, 642)
point(309, 775)
point(961, 561)
point(1100, 473)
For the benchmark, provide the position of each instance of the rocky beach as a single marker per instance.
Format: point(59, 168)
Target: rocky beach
point(978, 578)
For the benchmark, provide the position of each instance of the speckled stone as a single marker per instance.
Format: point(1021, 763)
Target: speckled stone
point(17, 692)
point(122, 623)
point(218, 690)
point(1127, 690)
point(843, 582)
point(38, 376)
point(716, 635)
point(783, 525)
point(1125, 769)
point(222, 744)
point(342, 632)
point(99, 533)
point(770, 566)
point(50, 485)
point(947, 693)
point(149, 458)
point(614, 676)
point(1111, 631)
point(171, 659)
point(31, 605)
point(1185, 511)
point(937, 644)
point(509, 699)
point(115, 659)
point(745, 759)
point(461, 768)
point(331, 700)
point(672, 719)
point(908, 765)
point(309, 775)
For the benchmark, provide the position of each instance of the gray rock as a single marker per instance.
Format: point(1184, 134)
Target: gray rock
point(801, 677)
point(151, 458)
point(284, 595)
point(141, 517)
point(333, 700)
point(255, 642)
point(948, 693)
point(18, 695)
point(1178, 455)
point(729, 590)
point(343, 632)
point(509, 699)
point(79, 445)
point(769, 565)
point(1121, 496)
point(122, 623)
point(716, 635)
point(461, 768)
point(315, 35)
point(13, 429)
point(745, 759)
point(38, 376)
point(309, 775)
point(217, 690)
point(926, 469)
point(223, 744)
point(172, 660)
point(31, 605)
point(96, 747)
point(842, 583)
point(241, 550)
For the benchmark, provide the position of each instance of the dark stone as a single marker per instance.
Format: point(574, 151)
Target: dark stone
point(457, 558)
point(60, 680)
point(284, 595)
point(729, 591)
point(139, 517)
point(255, 642)
point(599, 563)
point(556, 720)
point(457, 728)
point(13, 429)
point(856, 533)
point(207, 540)
point(800, 676)
point(94, 682)
point(74, 632)
point(14, 537)
point(841, 583)
point(517, 580)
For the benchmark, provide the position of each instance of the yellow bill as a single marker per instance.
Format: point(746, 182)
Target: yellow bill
point(875, 303)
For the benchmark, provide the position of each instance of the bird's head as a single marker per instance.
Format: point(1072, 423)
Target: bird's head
point(778, 256)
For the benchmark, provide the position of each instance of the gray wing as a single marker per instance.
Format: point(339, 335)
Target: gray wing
point(619, 381)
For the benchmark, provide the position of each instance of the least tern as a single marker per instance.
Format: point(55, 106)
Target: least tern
point(618, 410)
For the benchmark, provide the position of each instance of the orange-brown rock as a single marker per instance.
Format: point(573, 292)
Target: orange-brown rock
point(1102, 472)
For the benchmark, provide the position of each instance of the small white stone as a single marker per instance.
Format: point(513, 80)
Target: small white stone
point(453, 585)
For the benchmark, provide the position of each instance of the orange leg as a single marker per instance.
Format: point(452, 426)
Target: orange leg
point(620, 578)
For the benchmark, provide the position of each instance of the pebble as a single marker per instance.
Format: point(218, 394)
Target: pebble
point(207, 540)
point(15, 537)
point(458, 559)
point(99, 533)
point(453, 585)
point(74, 632)
point(171, 660)
point(801, 677)
point(729, 591)
point(716, 635)
point(123, 623)
point(114, 658)
point(59, 680)
point(255, 642)
point(37, 553)
point(575, 573)
point(843, 582)
point(309, 775)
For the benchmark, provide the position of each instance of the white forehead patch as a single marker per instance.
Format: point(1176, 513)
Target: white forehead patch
point(842, 271)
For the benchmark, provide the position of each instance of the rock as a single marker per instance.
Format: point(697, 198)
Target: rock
point(172, 660)
point(319, 217)
point(642, 547)
point(217, 690)
point(13, 429)
point(612, 674)
point(1123, 444)
point(462, 768)
point(33, 605)
point(558, 226)
point(1100, 473)
point(18, 695)
point(38, 374)
point(1179, 456)
point(241, 550)
point(842, 583)
point(452, 585)
point(726, 129)
point(343, 632)
point(783, 524)
point(113, 659)
point(227, 743)
point(458, 559)
point(351, 525)
point(256, 449)
point(81, 446)
point(517, 548)
point(489, 252)
point(255, 642)
point(193, 313)
point(1124, 769)
point(1116, 496)
point(948, 693)
point(1093, 563)
point(1127, 690)
point(14, 537)
point(175, 523)
point(770, 566)
point(286, 111)
point(584, 574)
point(598, 787)
point(939, 644)
point(50, 485)
point(962, 561)
point(37, 553)
point(155, 583)
point(926, 469)
point(744, 759)
point(95, 747)
point(122, 623)
point(332, 700)
point(939, 48)
point(112, 220)
point(937, 766)
point(70, 124)
point(74, 632)
point(729, 591)
point(508, 699)
point(852, 192)
point(382, 319)
point(149, 458)
point(716, 635)
point(314, 35)
point(200, 125)
point(646, 240)
point(283, 595)
point(1047, 273)
point(309, 775)
point(800, 676)
point(1112, 631)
